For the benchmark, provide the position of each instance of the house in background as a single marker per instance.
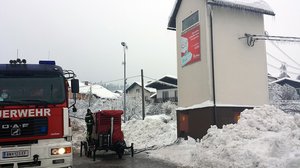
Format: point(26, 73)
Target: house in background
point(135, 90)
point(119, 92)
point(166, 89)
point(271, 78)
point(86, 89)
point(292, 82)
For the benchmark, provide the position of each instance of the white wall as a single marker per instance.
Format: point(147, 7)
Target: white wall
point(133, 94)
point(194, 84)
point(171, 93)
point(240, 70)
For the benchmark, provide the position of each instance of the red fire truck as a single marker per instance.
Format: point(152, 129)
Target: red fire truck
point(35, 129)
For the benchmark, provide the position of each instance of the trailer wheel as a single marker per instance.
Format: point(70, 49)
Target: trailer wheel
point(89, 153)
point(85, 148)
point(131, 148)
point(81, 145)
point(120, 153)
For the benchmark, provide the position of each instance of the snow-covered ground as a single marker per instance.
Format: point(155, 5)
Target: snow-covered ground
point(263, 137)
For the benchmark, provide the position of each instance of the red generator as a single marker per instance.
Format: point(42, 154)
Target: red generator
point(107, 134)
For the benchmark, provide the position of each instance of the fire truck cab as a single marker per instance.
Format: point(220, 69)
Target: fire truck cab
point(35, 129)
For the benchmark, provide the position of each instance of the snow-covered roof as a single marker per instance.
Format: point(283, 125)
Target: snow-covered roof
point(151, 90)
point(210, 103)
point(97, 90)
point(256, 6)
point(166, 82)
point(285, 78)
point(153, 95)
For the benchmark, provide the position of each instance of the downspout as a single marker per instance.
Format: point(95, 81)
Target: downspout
point(213, 65)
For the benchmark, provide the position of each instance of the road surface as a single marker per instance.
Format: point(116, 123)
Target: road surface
point(110, 160)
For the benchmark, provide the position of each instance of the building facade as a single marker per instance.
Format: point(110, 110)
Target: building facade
point(166, 88)
point(219, 74)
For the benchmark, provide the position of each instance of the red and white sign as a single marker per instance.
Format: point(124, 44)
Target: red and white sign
point(190, 46)
point(20, 113)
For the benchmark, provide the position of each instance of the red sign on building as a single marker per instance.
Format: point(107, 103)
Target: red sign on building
point(190, 46)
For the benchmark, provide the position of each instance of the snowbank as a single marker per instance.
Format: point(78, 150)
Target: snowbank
point(263, 137)
point(154, 131)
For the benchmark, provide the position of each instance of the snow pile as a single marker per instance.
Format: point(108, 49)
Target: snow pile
point(154, 131)
point(263, 137)
point(79, 132)
point(182, 153)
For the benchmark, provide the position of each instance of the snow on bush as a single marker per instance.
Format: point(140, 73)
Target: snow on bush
point(284, 97)
point(285, 92)
point(263, 137)
point(168, 108)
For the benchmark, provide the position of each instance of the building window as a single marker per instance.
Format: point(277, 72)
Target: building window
point(165, 95)
point(176, 94)
point(137, 90)
point(298, 90)
point(190, 21)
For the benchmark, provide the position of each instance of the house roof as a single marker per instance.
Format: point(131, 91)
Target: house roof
point(292, 82)
point(97, 90)
point(151, 90)
point(256, 6)
point(166, 82)
point(153, 95)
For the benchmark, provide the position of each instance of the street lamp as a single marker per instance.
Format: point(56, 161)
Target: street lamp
point(124, 92)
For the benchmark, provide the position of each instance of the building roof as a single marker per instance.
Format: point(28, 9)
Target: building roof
point(166, 82)
point(256, 6)
point(292, 82)
point(151, 90)
point(97, 90)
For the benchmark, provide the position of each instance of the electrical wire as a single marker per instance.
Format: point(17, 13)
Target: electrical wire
point(275, 67)
point(161, 82)
point(275, 45)
point(120, 79)
point(251, 38)
point(282, 62)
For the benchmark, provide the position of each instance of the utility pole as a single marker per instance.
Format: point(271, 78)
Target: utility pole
point(143, 94)
point(90, 95)
point(124, 90)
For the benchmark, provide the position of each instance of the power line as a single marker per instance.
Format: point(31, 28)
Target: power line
point(284, 53)
point(275, 67)
point(162, 82)
point(282, 62)
point(116, 80)
point(252, 38)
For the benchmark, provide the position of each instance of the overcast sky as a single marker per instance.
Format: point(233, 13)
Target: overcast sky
point(86, 35)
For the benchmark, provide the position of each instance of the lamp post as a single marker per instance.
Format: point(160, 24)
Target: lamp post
point(124, 91)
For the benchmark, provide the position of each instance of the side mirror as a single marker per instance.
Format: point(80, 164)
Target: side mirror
point(75, 86)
